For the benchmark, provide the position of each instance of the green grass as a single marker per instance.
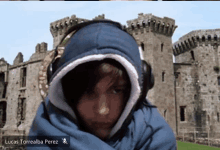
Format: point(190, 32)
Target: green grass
point(192, 146)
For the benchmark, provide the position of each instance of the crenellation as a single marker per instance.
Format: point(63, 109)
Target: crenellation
point(18, 59)
point(37, 48)
point(43, 47)
point(58, 28)
point(99, 17)
point(164, 25)
point(199, 38)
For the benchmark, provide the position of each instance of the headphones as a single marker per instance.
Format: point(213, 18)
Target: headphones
point(147, 75)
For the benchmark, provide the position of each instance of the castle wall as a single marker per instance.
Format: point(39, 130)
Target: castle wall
point(185, 95)
point(23, 94)
point(184, 58)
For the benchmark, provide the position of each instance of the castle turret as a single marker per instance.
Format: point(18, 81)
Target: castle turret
point(201, 49)
point(153, 35)
point(59, 27)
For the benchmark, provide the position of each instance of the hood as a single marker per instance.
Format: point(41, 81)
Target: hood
point(99, 41)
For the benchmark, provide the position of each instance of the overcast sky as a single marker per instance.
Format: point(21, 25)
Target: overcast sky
point(24, 24)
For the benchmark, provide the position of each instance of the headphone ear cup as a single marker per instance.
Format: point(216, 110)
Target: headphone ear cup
point(148, 78)
point(49, 72)
point(151, 77)
point(152, 81)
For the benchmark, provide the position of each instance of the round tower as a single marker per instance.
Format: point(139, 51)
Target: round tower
point(153, 35)
point(201, 49)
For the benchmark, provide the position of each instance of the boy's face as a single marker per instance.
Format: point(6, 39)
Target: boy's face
point(100, 109)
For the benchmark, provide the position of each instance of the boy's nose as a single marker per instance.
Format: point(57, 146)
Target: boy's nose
point(103, 108)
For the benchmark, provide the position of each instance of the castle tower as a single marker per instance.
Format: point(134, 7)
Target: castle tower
point(153, 35)
point(199, 83)
point(59, 27)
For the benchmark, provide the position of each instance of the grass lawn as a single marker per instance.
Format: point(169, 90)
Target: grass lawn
point(192, 146)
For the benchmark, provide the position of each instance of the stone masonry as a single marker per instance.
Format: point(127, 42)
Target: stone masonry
point(186, 92)
point(197, 85)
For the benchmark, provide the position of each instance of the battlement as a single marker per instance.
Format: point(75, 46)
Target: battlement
point(41, 48)
point(196, 38)
point(151, 23)
point(18, 59)
point(99, 17)
point(62, 25)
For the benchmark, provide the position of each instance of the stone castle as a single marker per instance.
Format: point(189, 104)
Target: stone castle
point(187, 92)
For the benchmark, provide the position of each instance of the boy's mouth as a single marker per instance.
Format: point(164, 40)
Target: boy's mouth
point(101, 124)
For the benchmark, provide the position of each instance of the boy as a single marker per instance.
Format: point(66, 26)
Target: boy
point(93, 93)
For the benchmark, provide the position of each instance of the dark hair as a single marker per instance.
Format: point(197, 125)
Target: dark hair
point(85, 76)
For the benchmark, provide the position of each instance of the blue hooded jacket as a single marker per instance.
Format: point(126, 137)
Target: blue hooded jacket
point(146, 130)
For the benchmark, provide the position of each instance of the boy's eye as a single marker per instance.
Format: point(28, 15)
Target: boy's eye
point(116, 91)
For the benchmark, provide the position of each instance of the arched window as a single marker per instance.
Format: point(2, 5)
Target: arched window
point(143, 23)
point(192, 54)
point(215, 37)
point(209, 38)
point(154, 23)
point(197, 38)
point(23, 77)
point(161, 47)
point(132, 26)
point(203, 38)
point(218, 116)
point(149, 23)
point(163, 74)
point(158, 25)
point(138, 25)
point(142, 46)
point(182, 113)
